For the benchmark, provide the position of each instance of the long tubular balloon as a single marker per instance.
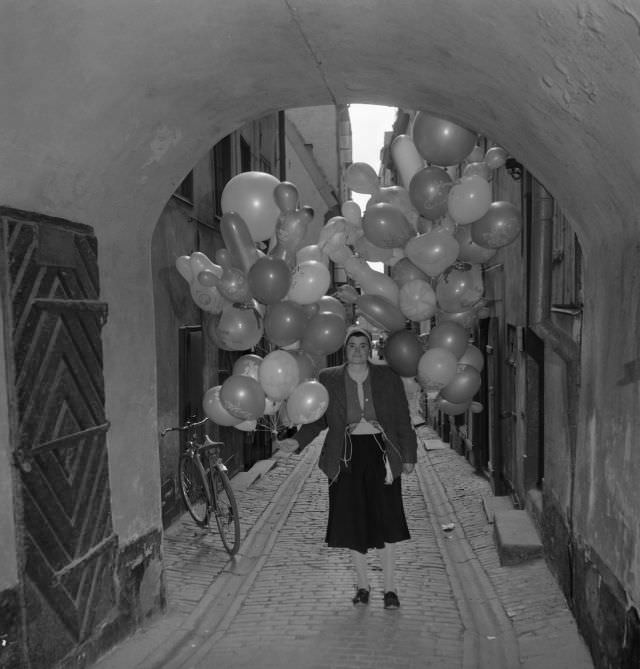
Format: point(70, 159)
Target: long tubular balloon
point(286, 196)
point(238, 241)
point(290, 233)
point(371, 281)
point(233, 283)
point(406, 158)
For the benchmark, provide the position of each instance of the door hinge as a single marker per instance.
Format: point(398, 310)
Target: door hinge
point(23, 460)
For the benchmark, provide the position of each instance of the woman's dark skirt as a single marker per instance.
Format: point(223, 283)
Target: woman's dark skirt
point(364, 512)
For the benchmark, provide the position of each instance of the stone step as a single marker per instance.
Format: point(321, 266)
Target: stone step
point(516, 537)
point(492, 505)
point(243, 480)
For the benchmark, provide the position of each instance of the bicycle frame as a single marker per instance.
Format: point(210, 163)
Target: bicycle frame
point(213, 471)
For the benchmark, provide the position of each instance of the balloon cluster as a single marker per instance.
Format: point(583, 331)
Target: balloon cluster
point(434, 232)
point(278, 384)
point(279, 295)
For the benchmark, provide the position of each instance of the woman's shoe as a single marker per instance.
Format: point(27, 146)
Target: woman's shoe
point(362, 596)
point(391, 600)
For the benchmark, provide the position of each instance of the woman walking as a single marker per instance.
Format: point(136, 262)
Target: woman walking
point(369, 443)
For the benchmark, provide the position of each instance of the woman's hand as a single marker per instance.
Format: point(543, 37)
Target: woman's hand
point(287, 445)
point(407, 467)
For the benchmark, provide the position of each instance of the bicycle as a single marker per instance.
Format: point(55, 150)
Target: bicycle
point(205, 487)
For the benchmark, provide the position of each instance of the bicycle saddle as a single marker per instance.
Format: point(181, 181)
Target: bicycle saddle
point(207, 445)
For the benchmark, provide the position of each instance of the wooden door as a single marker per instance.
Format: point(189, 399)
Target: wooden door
point(515, 414)
point(495, 445)
point(66, 545)
point(534, 463)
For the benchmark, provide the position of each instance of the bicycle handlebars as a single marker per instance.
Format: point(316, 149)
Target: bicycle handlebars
point(183, 428)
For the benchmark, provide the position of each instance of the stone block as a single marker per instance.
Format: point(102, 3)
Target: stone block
point(516, 537)
point(493, 504)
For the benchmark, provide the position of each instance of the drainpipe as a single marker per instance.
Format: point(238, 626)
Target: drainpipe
point(540, 286)
point(282, 144)
point(540, 320)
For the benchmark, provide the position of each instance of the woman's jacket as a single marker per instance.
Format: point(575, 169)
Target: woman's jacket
point(392, 412)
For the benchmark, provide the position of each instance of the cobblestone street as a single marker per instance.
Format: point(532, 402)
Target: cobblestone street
point(285, 601)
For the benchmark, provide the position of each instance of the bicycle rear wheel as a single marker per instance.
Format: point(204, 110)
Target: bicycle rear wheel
point(194, 488)
point(225, 509)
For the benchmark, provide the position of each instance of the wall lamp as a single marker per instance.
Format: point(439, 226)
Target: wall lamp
point(514, 168)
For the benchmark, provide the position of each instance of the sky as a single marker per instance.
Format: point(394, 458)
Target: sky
point(368, 125)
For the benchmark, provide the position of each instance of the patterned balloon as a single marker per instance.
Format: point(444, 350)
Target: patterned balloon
point(429, 191)
point(242, 397)
point(309, 282)
point(500, 225)
point(469, 250)
point(239, 327)
point(460, 289)
point(386, 226)
point(247, 365)
point(417, 300)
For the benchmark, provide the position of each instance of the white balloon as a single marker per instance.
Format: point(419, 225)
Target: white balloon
point(406, 158)
point(495, 157)
point(309, 282)
point(247, 425)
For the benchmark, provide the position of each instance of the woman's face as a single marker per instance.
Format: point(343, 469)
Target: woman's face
point(357, 349)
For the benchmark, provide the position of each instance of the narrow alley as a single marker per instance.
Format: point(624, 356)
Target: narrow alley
point(284, 601)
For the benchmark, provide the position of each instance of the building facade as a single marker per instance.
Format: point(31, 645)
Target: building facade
point(82, 585)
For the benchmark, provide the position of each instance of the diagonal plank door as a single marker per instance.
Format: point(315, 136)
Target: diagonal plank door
point(67, 545)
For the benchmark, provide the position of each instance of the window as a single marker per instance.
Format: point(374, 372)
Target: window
point(221, 170)
point(265, 165)
point(245, 155)
point(185, 190)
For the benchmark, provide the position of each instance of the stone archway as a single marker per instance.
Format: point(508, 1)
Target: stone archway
point(107, 108)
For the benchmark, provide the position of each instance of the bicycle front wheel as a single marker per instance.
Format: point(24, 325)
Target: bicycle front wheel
point(225, 509)
point(194, 488)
